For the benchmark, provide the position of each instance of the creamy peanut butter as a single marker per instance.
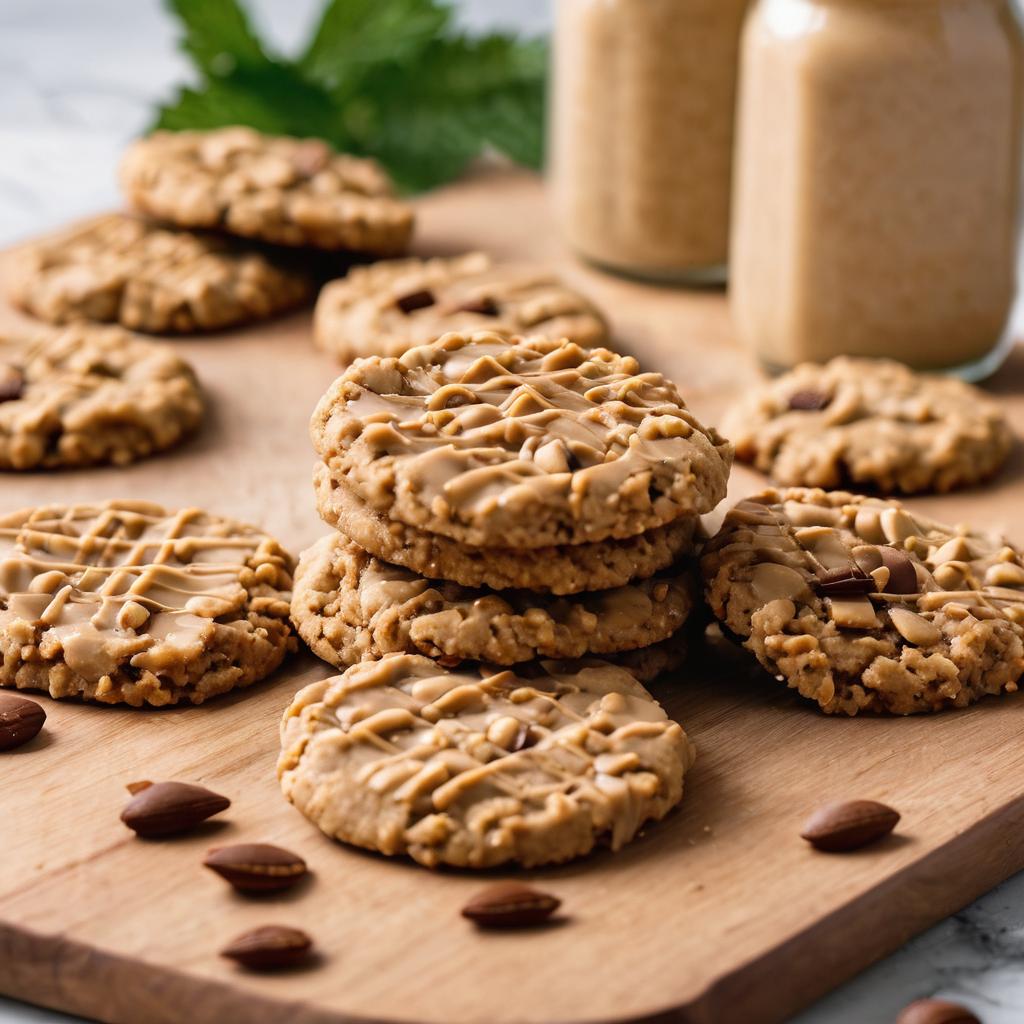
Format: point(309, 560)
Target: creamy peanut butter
point(643, 131)
point(878, 180)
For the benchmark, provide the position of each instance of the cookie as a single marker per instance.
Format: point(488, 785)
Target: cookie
point(276, 188)
point(126, 270)
point(647, 664)
point(564, 569)
point(518, 442)
point(88, 395)
point(861, 605)
point(126, 603)
point(350, 606)
point(872, 423)
point(481, 768)
point(387, 308)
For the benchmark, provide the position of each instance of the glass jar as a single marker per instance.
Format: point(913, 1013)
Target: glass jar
point(878, 181)
point(642, 132)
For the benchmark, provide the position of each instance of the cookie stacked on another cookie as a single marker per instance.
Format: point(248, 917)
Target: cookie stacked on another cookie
point(501, 499)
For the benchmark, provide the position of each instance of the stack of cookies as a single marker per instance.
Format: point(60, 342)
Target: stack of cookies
point(502, 500)
point(496, 500)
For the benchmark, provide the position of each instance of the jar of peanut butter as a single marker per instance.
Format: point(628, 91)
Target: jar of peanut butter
point(642, 133)
point(878, 181)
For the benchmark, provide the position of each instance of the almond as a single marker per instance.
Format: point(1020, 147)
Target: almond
point(256, 867)
point(20, 720)
point(269, 948)
point(167, 808)
point(936, 1011)
point(838, 827)
point(510, 905)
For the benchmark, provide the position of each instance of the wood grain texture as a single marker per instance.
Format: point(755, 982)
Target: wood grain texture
point(720, 914)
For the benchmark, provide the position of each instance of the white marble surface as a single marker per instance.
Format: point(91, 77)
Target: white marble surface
point(77, 79)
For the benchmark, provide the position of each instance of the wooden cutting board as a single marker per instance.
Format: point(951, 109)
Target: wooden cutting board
point(719, 914)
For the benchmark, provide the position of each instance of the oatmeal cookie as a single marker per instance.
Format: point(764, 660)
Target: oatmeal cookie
point(560, 569)
point(872, 423)
point(350, 606)
point(480, 768)
point(88, 395)
point(276, 188)
point(126, 603)
point(518, 442)
point(861, 605)
point(387, 308)
point(123, 269)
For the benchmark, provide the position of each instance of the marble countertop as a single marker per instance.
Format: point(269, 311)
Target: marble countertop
point(79, 80)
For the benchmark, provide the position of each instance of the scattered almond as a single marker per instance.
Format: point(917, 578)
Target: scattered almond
point(256, 867)
point(20, 720)
point(936, 1011)
point(167, 808)
point(269, 948)
point(838, 827)
point(510, 905)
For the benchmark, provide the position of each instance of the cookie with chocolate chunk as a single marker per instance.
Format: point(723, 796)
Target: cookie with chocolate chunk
point(872, 423)
point(389, 307)
point(128, 603)
point(478, 768)
point(350, 606)
point(518, 442)
point(122, 269)
point(280, 189)
point(860, 604)
point(88, 395)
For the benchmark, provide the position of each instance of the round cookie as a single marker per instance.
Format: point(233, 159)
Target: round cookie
point(477, 769)
point(89, 395)
point(872, 423)
point(350, 606)
point(859, 604)
point(563, 569)
point(387, 308)
point(126, 603)
point(124, 269)
point(518, 442)
point(280, 189)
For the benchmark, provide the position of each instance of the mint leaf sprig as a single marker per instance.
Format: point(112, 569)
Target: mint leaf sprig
point(391, 79)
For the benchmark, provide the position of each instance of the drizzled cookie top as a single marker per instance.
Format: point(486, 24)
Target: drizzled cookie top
point(282, 189)
point(862, 603)
point(128, 586)
point(519, 442)
point(389, 307)
point(481, 767)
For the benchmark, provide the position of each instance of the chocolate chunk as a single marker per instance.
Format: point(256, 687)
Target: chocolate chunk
point(484, 307)
point(12, 383)
point(902, 574)
point(415, 300)
point(849, 580)
point(809, 401)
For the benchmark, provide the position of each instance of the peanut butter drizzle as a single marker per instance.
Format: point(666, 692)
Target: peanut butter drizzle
point(128, 581)
point(477, 423)
point(448, 745)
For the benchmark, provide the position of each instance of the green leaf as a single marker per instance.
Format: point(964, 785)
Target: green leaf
point(354, 35)
point(217, 35)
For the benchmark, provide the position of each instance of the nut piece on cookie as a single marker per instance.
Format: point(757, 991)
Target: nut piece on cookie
point(127, 603)
point(126, 270)
point(873, 423)
point(387, 308)
point(481, 768)
point(350, 606)
point(280, 189)
point(88, 395)
point(518, 442)
point(860, 605)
